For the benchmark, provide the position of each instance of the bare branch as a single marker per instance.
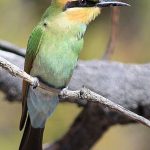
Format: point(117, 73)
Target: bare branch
point(124, 84)
point(8, 47)
point(85, 94)
point(113, 35)
point(17, 72)
point(90, 96)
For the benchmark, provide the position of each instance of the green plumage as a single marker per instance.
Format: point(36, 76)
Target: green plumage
point(52, 53)
point(54, 47)
point(56, 57)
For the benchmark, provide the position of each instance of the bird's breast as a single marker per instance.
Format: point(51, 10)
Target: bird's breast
point(54, 68)
point(58, 54)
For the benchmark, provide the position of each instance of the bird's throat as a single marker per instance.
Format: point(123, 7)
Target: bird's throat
point(82, 15)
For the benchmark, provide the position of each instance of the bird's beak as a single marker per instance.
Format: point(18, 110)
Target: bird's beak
point(91, 3)
point(110, 3)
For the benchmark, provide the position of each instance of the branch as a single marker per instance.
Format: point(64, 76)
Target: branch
point(82, 94)
point(113, 35)
point(17, 72)
point(124, 84)
point(8, 47)
point(90, 96)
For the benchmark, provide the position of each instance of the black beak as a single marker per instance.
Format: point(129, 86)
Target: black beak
point(91, 3)
point(111, 3)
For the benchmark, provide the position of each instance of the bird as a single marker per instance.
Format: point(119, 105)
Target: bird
point(52, 53)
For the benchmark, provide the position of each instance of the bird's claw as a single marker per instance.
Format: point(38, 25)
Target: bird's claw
point(35, 83)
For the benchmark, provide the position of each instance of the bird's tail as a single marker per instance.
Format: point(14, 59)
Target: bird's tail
point(32, 137)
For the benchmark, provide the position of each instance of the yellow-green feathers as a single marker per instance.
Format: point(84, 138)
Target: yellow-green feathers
point(55, 44)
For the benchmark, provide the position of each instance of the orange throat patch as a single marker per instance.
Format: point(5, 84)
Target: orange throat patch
point(82, 15)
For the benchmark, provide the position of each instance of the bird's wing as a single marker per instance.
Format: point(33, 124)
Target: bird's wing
point(32, 49)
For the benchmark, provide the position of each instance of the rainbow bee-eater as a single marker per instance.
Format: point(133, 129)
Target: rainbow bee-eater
point(52, 53)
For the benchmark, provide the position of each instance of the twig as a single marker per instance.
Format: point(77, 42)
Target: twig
point(8, 47)
point(16, 71)
point(90, 96)
point(113, 35)
point(83, 94)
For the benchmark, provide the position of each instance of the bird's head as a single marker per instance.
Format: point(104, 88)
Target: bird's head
point(85, 11)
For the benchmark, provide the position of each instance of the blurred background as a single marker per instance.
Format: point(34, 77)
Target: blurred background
point(17, 19)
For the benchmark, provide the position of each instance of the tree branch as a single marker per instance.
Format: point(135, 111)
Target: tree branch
point(113, 36)
point(8, 47)
point(124, 84)
point(90, 96)
point(85, 94)
point(17, 72)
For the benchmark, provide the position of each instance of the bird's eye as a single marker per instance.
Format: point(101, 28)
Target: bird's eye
point(83, 2)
